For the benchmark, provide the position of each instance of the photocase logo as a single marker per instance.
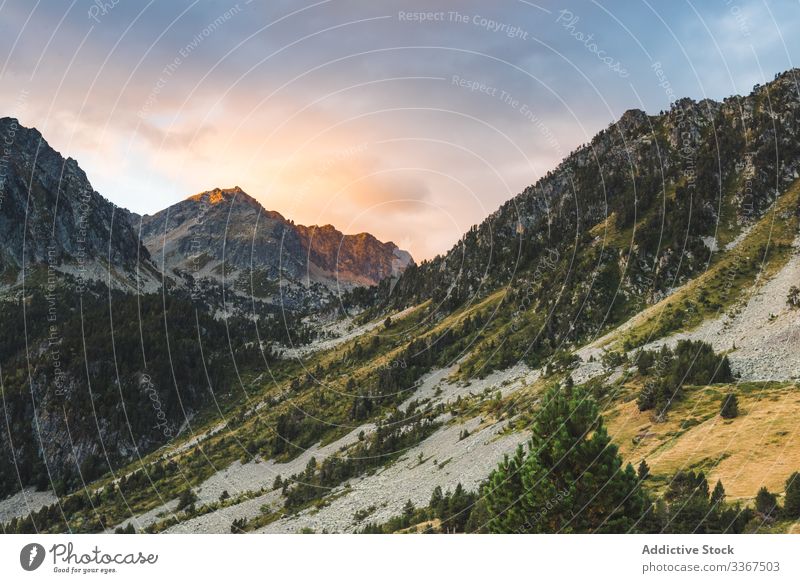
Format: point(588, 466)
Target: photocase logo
point(31, 556)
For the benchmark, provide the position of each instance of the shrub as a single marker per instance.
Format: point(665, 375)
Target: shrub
point(793, 298)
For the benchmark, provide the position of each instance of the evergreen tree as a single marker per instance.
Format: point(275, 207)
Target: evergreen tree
point(408, 510)
point(793, 299)
point(572, 478)
point(718, 495)
point(766, 503)
point(689, 505)
point(644, 470)
point(791, 504)
point(503, 495)
point(730, 406)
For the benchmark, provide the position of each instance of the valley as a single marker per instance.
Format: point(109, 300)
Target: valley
point(321, 382)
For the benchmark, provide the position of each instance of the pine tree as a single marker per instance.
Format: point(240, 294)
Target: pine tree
point(689, 506)
point(793, 299)
point(718, 495)
point(724, 373)
point(791, 504)
point(644, 470)
point(766, 502)
point(503, 494)
point(572, 478)
point(408, 510)
point(437, 501)
point(647, 396)
point(730, 406)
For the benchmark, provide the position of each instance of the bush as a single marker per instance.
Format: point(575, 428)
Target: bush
point(187, 499)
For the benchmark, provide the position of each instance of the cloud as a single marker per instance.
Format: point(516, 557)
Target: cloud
point(343, 113)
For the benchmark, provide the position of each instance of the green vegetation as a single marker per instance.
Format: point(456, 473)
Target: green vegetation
point(691, 363)
point(793, 298)
point(448, 512)
point(570, 480)
point(761, 254)
point(528, 285)
point(791, 502)
point(106, 359)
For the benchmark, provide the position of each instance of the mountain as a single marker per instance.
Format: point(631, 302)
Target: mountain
point(225, 234)
point(50, 216)
point(651, 203)
point(106, 369)
point(633, 283)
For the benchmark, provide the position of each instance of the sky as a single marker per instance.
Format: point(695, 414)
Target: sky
point(411, 120)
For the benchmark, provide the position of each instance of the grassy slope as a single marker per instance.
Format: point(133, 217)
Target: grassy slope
point(758, 448)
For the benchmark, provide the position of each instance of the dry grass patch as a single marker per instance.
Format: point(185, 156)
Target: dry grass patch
point(761, 447)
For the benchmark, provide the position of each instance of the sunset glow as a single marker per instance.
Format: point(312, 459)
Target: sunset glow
point(369, 116)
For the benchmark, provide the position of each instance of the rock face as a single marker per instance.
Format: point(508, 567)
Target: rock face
point(51, 216)
point(360, 259)
point(225, 233)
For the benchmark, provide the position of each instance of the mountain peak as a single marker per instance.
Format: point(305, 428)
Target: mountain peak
point(631, 119)
point(242, 236)
point(223, 195)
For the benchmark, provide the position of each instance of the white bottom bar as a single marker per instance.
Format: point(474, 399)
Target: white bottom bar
point(371, 559)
